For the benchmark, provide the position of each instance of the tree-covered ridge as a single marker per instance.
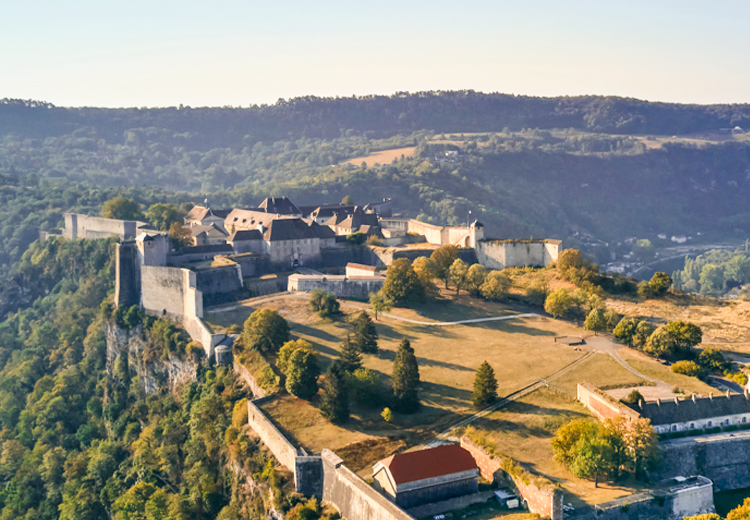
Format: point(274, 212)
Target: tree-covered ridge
point(79, 443)
point(324, 118)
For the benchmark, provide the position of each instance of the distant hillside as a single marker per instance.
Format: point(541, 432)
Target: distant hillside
point(380, 116)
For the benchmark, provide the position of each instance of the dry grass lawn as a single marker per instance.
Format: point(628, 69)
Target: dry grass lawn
point(382, 157)
point(652, 368)
point(523, 431)
point(600, 370)
point(722, 321)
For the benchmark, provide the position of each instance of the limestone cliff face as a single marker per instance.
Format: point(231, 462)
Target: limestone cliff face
point(154, 373)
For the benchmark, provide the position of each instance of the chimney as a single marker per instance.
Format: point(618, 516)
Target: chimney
point(640, 403)
point(747, 394)
point(711, 395)
point(658, 402)
point(727, 394)
point(676, 401)
point(693, 397)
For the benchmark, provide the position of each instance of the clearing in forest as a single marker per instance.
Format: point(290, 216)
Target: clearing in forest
point(382, 156)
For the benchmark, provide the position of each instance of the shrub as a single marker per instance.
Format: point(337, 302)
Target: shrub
point(324, 303)
point(688, 368)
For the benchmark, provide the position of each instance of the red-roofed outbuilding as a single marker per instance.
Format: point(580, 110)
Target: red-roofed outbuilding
point(425, 476)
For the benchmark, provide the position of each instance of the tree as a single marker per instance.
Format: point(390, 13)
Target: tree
point(713, 359)
point(686, 335)
point(643, 250)
point(347, 201)
point(475, 277)
point(646, 290)
point(123, 209)
point(660, 343)
point(625, 330)
point(741, 512)
point(350, 358)
point(495, 285)
point(365, 334)
point(365, 387)
point(405, 379)
point(568, 436)
point(570, 259)
point(180, 235)
point(379, 303)
point(595, 321)
point(558, 302)
point(457, 274)
point(302, 374)
point(334, 401)
point(265, 330)
point(660, 283)
point(634, 397)
point(485, 386)
point(591, 459)
point(612, 317)
point(711, 279)
point(643, 331)
point(402, 285)
point(286, 351)
point(324, 303)
point(162, 216)
point(443, 258)
point(425, 269)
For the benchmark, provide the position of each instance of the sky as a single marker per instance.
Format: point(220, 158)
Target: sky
point(239, 53)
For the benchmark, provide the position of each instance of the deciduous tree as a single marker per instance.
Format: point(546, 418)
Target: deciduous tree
point(122, 208)
point(302, 374)
point(265, 330)
point(402, 284)
point(443, 258)
point(558, 302)
point(595, 321)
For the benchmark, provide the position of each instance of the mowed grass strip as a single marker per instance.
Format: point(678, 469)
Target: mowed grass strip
point(600, 370)
point(523, 430)
point(664, 373)
point(382, 156)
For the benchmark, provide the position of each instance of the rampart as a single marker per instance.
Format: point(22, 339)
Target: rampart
point(274, 440)
point(83, 226)
point(499, 254)
point(462, 236)
point(540, 501)
point(386, 256)
point(358, 287)
point(602, 405)
point(724, 458)
point(352, 496)
point(220, 284)
point(127, 274)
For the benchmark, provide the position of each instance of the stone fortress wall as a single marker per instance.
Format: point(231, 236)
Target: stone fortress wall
point(83, 226)
point(499, 254)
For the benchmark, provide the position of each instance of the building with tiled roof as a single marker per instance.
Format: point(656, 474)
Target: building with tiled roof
point(425, 476)
point(210, 235)
point(280, 206)
point(696, 412)
point(204, 216)
point(346, 224)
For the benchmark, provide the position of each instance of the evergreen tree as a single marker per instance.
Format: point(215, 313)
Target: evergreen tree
point(334, 403)
point(485, 386)
point(405, 379)
point(350, 357)
point(365, 334)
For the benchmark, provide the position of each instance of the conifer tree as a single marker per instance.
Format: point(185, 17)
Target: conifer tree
point(350, 357)
point(365, 334)
point(405, 379)
point(334, 403)
point(485, 386)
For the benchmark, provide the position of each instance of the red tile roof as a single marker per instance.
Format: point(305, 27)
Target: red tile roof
point(429, 463)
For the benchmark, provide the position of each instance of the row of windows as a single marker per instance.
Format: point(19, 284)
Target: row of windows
point(708, 424)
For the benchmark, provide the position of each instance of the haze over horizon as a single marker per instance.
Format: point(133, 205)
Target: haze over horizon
point(238, 54)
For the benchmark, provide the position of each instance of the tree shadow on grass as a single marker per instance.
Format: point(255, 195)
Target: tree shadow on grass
point(297, 329)
point(390, 355)
point(512, 327)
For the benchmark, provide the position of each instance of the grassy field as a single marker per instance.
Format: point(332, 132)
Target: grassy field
point(600, 370)
point(651, 368)
point(523, 431)
point(382, 156)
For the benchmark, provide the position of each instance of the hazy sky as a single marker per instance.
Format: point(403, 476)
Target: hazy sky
point(198, 53)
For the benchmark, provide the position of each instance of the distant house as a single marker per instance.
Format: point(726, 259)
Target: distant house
point(210, 235)
point(281, 206)
point(346, 224)
point(426, 476)
point(246, 241)
point(203, 216)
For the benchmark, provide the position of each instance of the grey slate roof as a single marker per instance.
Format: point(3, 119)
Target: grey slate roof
point(670, 412)
point(245, 234)
point(280, 205)
point(295, 229)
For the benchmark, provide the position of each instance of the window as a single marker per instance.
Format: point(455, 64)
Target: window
point(744, 420)
point(674, 427)
point(692, 426)
point(710, 424)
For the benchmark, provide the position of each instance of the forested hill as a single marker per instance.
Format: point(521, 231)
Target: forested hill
point(380, 116)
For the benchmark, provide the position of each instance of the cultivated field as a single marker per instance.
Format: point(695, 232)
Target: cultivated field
point(382, 156)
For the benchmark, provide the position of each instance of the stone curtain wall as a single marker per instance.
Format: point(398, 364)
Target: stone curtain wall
point(723, 459)
point(83, 226)
point(601, 405)
point(357, 288)
point(541, 502)
point(352, 496)
point(499, 254)
point(274, 440)
point(244, 374)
